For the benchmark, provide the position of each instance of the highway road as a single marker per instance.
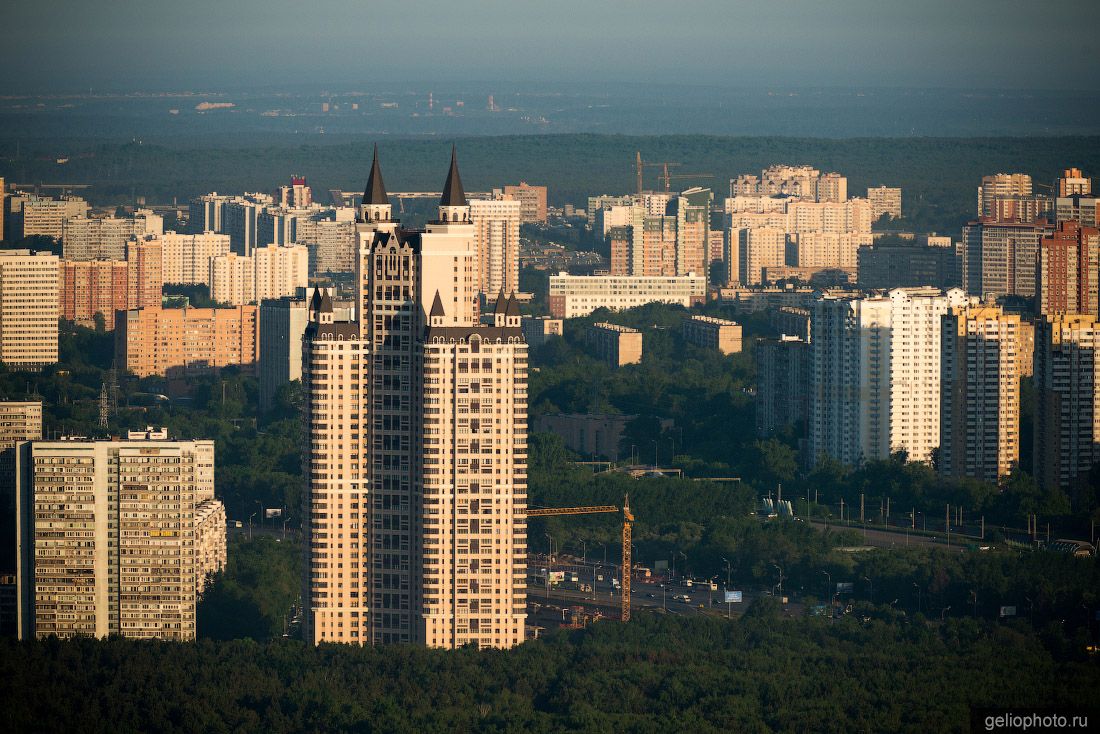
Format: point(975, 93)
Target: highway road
point(896, 537)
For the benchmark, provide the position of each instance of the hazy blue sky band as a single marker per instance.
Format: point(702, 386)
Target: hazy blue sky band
point(67, 45)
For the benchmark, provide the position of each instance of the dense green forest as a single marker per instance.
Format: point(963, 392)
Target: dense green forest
point(939, 175)
point(874, 672)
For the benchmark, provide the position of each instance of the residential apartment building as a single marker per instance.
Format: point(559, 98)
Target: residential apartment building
point(571, 296)
point(750, 251)
point(42, 215)
point(28, 309)
point(805, 182)
point(496, 227)
point(876, 374)
point(186, 257)
point(999, 258)
point(1067, 411)
point(532, 202)
point(105, 238)
point(1080, 208)
point(884, 200)
point(711, 332)
point(1001, 185)
point(1074, 183)
point(979, 393)
point(87, 288)
point(659, 234)
point(882, 267)
point(271, 271)
point(116, 537)
point(283, 323)
point(175, 342)
point(332, 244)
point(537, 330)
point(1068, 270)
point(416, 457)
point(784, 384)
point(617, 345)
point(19, 421)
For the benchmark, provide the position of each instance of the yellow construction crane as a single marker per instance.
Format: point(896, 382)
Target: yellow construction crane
point(628, 520)
point(668, 179)
point(639, 167)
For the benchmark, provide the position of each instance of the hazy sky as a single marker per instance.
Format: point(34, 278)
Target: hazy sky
point(125, 44)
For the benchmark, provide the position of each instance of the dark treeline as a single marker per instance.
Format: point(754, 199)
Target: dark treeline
point(871, 672)
point(939, 175)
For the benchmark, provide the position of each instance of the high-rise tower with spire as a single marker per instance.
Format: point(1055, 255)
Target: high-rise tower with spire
point(416, 465)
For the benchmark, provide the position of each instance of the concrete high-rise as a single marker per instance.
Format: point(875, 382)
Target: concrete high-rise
point(496, 226)
point(175, 342)
point(105, 238)
point(41, 215)
point(116, 537)
point(876, 374)
point(271, 271)
point(1074, 183)
point(416, 417)
point(532, 200)
point(999, 258)
point(980, 393)
point(784, 384)
point(28, 309)
point(1068, 270)
point(1001, 185)
point(1067, 408)
point(884, 200)
point(186, 257)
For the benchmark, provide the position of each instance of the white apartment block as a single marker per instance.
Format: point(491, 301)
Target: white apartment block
point(105, 238)
point(333, 244)
point(876, 374)
point(29, 308)
point(571, 296)
point(269, 272)
point(115, 536)
point(496, 225)
point(980, 393)
point(186, 257)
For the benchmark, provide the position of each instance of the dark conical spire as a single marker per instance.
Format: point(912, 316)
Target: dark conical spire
point(512, 309)
point(502, 303)
point(437, 306)
point(325, 304)
point(375, 192)
point(453, 194)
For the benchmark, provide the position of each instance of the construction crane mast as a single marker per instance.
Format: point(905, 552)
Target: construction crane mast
point(668, 179)
point(628, 521)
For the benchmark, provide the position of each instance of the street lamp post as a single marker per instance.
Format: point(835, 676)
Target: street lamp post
point(684, 556)
point(917, 587)
point(943, 612)
point(871, 596)
point(777, 568)
point(828, 587)
point(250, 525)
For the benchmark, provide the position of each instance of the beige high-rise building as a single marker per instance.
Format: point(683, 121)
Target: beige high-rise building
point(87, 288)
point(979, 393)
point(1074, 183)
point(116, 537)
point(232, 279)
point(187, 256)
point(532, 200)
point(1067, 408)
point(416, 417)
point(28, 308)
point(999, 186)
point(332, 243)
point(175, 342)
point(496, 226)
point(751, 250)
